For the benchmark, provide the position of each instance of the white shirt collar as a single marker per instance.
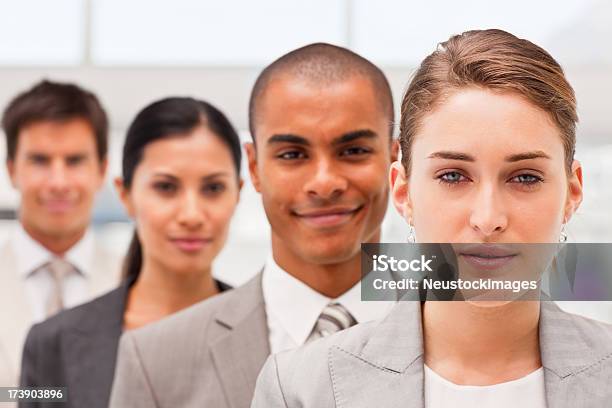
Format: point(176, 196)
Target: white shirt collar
point(31, 255)
point(297, 306)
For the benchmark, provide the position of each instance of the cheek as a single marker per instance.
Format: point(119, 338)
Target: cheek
point(538, 217)
point(277, 201)
point(371, 182)
point(87, 182)
point(152, 217)
point(30, 181)
point(220, 215)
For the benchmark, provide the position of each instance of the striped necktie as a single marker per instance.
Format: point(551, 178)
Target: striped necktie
point(331, 320)
point(58, 269)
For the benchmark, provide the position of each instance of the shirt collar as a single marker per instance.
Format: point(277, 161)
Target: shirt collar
point(296, 306)
point(31, 255)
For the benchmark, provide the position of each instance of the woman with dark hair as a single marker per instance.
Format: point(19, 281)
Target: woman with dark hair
point(487, 137)
point(180, 183)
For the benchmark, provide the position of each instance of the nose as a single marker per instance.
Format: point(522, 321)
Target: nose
point(326, 183)
point(59, 177)
point(191, 214)
point(488, 216)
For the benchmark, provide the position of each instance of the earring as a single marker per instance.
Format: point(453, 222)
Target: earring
point(411, 236)
point(563, 235)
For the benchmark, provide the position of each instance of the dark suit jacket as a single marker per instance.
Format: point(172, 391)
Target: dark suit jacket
point(77, 349)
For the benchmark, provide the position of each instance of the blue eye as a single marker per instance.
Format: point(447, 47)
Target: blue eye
point(452, 177)
point(527, 179)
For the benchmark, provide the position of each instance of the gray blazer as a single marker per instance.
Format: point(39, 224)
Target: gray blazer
point(208, 355)
point(76, 349)
point(380, 364)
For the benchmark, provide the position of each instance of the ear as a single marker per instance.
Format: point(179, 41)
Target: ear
point(395, 147)
point(251, 151)
point(10, 169)
point(240, 185)
point(103, 170)
point(399, 190)
point(574, 196)
point(124, 196)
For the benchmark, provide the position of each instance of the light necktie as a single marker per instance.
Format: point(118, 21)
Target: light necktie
point(331, 320)
point(59, 269)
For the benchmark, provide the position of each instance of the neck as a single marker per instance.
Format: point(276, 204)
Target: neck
point(56, 244)
point(330, 279)
point(158, 293)
point(468, 343)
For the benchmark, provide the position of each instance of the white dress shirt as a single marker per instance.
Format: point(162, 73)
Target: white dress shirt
point(526, 392)
point(38, 283)
point(292, 307)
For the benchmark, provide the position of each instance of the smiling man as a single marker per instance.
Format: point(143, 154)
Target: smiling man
point(56, 138)
point(321, 120)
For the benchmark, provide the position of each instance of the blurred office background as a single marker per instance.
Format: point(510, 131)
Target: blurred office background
point(131, 52)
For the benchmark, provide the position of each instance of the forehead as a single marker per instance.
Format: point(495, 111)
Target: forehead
point(57, 136)
point(477, 120)
point(312, 110)
point(198, 151)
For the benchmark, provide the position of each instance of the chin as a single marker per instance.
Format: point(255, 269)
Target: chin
point(329, 255)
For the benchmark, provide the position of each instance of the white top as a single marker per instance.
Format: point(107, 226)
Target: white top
point(526, 392)
point(38, 283)
point(292, 307)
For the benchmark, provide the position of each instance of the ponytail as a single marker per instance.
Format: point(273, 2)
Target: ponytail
point(133, 260)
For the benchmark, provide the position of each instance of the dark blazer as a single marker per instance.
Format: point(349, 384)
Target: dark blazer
point(77, 349)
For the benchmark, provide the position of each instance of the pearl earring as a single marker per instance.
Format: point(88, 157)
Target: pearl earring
point(411, 236)
point(563, 235)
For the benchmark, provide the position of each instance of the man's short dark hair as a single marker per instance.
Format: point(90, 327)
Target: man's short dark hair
point(322, 64)
point(54, 102)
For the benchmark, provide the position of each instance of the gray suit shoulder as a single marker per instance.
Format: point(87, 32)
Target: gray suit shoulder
point(181, 329)
point(597, 335)
point(307, 368)
point(180, 339)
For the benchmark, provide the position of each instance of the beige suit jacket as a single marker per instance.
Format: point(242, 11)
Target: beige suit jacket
point(208, 355)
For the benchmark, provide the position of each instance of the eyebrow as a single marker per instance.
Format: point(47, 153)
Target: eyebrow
point(450, 155)
point(355, 135)
point(35, 154)
point(288, 138)
point(345, 138)
point(207, 177)
point(537, 154)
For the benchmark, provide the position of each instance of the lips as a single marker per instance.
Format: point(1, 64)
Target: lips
point(58, 206)
point(328, 217)
point(190, 244)
point(487, 256)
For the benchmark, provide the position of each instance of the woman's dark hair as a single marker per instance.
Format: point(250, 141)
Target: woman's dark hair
point(170, 117)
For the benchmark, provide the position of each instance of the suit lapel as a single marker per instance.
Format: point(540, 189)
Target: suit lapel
point(89, 350)
point(239, 342)
point(567, 353)
point(388, 370)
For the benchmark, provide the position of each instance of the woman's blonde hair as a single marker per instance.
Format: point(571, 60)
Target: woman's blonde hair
point(496, 60)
